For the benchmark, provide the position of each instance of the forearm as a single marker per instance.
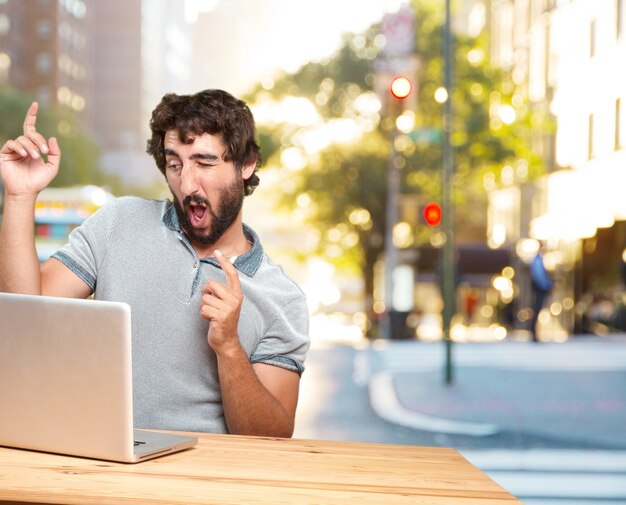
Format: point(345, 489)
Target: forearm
point(19, 265)
point(249, 408)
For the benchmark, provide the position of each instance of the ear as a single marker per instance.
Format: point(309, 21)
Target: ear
point(248, 170)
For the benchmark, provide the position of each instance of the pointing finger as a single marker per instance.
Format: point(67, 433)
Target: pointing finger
point(30, 131)
point(31, 118)
point(232, 277)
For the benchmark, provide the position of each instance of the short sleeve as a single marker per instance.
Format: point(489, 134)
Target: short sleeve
point(286, 343)
point(87, 244)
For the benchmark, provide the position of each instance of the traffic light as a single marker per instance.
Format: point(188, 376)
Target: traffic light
point(432, 214)
point(401, 87)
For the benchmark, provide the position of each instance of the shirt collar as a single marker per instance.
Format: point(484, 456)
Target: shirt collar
point(247, 263)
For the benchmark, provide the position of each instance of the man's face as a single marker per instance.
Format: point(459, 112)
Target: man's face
point(208, 191)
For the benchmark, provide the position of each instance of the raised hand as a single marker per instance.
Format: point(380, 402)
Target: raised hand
point(29, 163)
point(221, 305)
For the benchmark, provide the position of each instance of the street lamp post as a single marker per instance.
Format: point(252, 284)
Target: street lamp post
point(391, 253)
point(400, 89)
point(396, 59)
point(448, 270)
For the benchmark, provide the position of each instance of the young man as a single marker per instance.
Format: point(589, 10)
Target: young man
point(219, 332)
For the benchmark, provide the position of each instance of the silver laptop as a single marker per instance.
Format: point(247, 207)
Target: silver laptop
point(66, 380)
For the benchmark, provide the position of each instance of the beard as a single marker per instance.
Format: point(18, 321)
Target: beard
point(228, 208)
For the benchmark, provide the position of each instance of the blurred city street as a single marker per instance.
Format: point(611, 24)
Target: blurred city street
point(546, 421)
point(480, 200)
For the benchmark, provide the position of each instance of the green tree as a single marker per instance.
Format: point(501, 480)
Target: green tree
point(346, 182)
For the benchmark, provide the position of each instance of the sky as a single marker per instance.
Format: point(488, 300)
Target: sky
point(250, 39)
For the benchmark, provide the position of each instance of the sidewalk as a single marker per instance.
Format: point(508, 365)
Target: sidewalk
point(566, 395)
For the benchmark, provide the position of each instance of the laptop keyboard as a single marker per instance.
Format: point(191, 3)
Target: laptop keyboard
point(138, 442)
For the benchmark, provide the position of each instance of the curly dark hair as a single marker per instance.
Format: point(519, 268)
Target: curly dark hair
point(211, 111)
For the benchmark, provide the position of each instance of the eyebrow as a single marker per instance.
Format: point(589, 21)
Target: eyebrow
point(196, 156)
point(205, 156)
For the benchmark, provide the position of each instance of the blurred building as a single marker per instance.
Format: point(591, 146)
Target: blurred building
point(565, 58)
point(108, 61)
point(141, 50)
point(44, 49)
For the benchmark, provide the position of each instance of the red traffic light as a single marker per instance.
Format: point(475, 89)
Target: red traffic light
point(432, 214)
point(401, 87)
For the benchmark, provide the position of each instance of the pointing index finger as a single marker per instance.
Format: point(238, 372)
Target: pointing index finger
point(232, 277)
point(31, 118)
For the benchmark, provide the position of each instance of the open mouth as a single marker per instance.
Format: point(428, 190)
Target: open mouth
point(196, 213)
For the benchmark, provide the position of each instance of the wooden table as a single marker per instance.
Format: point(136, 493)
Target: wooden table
point(226, 469)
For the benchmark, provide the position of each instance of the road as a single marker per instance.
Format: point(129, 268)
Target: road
point(548, 422)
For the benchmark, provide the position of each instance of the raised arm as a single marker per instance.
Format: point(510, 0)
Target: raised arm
point(27, 165)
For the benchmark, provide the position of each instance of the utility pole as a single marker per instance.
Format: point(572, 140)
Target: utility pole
point(391, 219)
point(395, 69)
point(448, 269)
point(400, 89)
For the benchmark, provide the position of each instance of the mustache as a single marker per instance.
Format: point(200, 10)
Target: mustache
point(195, 199)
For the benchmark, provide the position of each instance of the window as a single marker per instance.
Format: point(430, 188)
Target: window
point(590, 147)
point(549, 5)
point(77, 8)
point(618, 124)
point(547, 59)
point(43, 29)
point(5, 66)
point(592, 39)
point(5, 24)
point(43, 63)
point(44, 95)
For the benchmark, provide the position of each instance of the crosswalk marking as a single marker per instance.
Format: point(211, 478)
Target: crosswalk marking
point(570, 460)
point(576, 487)
point(556, 477)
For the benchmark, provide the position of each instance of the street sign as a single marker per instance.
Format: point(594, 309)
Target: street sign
point(426, 135)
point(399, 31)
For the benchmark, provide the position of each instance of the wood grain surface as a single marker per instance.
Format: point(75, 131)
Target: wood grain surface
point(227, 469)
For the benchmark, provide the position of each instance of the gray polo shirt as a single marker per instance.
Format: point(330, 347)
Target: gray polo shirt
point(134, 251)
